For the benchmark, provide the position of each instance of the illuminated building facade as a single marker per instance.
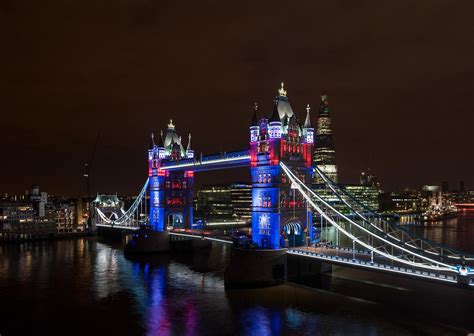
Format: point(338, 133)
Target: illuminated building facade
point(279, 214)
point(171, 192)
point(27, 219)
point(214, 202)
point(19, 221)
point(409, 201)
point(241, 198)
point(324, 153)
point(232, 201)
point(366, 194)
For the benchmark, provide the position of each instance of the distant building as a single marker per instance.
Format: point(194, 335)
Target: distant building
point(367, 195)
point(215, 202)
point(65, 218)
point(367, 192)
point(39, 200)
point(408, 201)
point(241, 199)
point(36, 216)
point(19, 221)
point(324, 156)
point(367, 179)
point(232, 201)
point(444, 187)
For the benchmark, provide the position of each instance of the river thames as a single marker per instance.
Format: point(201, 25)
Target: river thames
point(85, 286)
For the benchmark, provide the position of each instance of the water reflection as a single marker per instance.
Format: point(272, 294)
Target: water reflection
point(157, 321)
point(456, 233)
point(89, 284)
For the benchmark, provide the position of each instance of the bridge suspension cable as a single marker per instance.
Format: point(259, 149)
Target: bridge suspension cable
point(393, 230)
point(375, 240)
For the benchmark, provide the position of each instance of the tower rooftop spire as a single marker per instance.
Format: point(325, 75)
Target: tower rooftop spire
point(275, 114)
point(189, 142)
point(160, 142)
point(254, 117)
point(152, 140)
point(324, 104)
point(282, 91)
point(324, 99)
point(307, 122)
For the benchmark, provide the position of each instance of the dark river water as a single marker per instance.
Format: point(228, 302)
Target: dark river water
point(85, 286)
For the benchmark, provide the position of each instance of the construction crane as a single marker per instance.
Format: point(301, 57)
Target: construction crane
point(87, 176)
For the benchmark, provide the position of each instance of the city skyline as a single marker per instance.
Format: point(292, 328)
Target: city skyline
point(400, 96)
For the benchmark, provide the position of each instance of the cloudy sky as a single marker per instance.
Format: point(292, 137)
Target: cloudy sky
point(399, 75)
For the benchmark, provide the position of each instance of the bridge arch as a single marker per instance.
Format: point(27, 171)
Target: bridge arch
point(293, 234)
point(175, 220)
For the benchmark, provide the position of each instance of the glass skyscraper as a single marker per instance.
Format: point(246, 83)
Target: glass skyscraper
point(324, 156)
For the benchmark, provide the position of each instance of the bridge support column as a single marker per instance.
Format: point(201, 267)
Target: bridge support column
point(255, 268)
point(148, 241)
point(308, 271)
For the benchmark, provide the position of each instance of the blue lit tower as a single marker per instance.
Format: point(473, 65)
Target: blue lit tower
point(279, 214)
point(171, 192)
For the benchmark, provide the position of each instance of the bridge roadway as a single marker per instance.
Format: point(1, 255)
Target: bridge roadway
point(362, 259)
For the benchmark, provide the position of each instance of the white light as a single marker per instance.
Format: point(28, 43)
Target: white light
point(205, 163)
point(225, 223)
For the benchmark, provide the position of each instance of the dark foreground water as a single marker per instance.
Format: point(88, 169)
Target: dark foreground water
point(87, 287)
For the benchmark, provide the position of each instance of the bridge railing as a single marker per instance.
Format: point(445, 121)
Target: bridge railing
point(410, 271)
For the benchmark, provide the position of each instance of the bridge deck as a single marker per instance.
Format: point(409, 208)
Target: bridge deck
point(345, 257)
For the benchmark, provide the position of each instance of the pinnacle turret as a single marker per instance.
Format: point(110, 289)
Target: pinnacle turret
point(281, 91)
point(254, 117)
point(275, 115)
point(152, 140)
point(160, 141)
point(189, 143)
point(307, 122)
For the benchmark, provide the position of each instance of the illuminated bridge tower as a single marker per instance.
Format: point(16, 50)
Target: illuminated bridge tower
point(171, 192)
point(324, 153)
point(280, 217)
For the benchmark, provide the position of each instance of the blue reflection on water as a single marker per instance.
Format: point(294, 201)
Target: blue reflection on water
point(157, 313)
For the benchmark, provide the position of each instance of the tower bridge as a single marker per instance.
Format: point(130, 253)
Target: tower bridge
point(284, 199)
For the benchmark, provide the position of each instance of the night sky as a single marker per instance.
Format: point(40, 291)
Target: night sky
point(399, 75)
